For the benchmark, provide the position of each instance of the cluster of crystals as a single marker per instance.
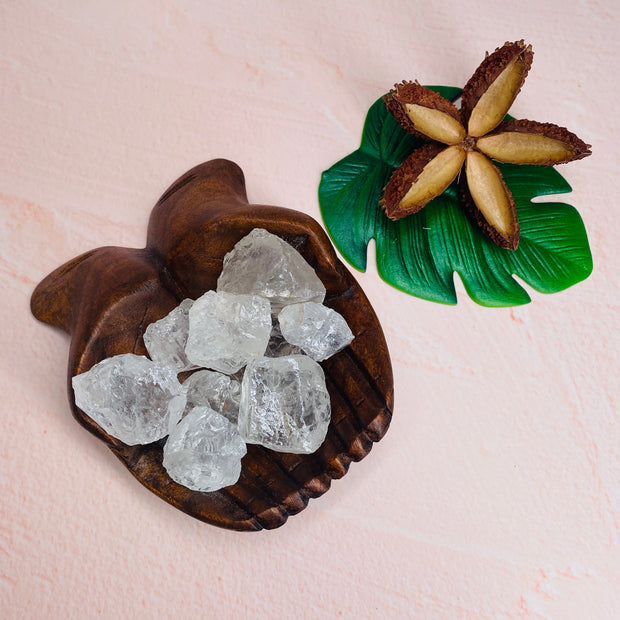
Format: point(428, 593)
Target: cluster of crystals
point(260, 335)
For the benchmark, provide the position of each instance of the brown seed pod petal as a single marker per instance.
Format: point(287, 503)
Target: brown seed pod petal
point(424, 175)
point(422, 111)
point(488, 201)
point(491, 90)
point(530, 142)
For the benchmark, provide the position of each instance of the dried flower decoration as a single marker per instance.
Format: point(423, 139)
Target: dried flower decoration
point(471, 137)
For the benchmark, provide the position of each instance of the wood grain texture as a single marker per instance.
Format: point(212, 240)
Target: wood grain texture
point(107, 297)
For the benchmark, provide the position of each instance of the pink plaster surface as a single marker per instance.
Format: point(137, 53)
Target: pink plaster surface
point(495, 492)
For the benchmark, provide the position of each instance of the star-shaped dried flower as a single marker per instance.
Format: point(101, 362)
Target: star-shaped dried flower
point(474, 135)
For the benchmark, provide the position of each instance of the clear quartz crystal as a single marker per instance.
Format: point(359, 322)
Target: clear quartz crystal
point(317, 329)
point(130, 397)
point(226, 331)
point(207, 388)
point(263, 264)
point(284, 404)
point(204, 451)
point(165, 339)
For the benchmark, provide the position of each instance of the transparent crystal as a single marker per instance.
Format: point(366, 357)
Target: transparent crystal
point(263, 264)
point(204, 451)
point(278, 345)
point(284, 404)
point(130, 397)
point(317, 329)
point(207, 388)
point(226, 331)
point(165, 339)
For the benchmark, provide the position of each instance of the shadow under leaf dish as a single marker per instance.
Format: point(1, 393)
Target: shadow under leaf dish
point(106, 298)
point(423, 185)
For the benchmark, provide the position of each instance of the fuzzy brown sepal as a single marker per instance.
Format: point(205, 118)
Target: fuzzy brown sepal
point(489, 70)
point(404, 177)
point(476, 217)
point(412, 92)
point(579, 149)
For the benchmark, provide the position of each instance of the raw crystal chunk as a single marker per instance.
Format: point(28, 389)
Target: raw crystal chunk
point(204, 451)
point(317, 329)
point(207, 388)
point(130, 397)
point(278, 345)
point(165, 339)
point(284, 404)
point(226, 331)
point(263, 264)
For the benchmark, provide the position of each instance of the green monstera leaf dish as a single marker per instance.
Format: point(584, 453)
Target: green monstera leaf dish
point(420, 253)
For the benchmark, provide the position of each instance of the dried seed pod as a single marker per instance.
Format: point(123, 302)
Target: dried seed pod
point(485, 102)
point(530, 142)
point(424, 175)
point(422, 111)
point(489, 201)
point(491, 90)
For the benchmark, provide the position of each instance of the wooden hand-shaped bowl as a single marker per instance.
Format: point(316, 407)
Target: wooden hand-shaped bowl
point(106, 298)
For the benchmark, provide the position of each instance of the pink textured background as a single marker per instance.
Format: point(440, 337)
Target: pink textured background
point(495, 492)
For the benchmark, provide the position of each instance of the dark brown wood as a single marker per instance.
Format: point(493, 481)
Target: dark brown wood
point(106, 298)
